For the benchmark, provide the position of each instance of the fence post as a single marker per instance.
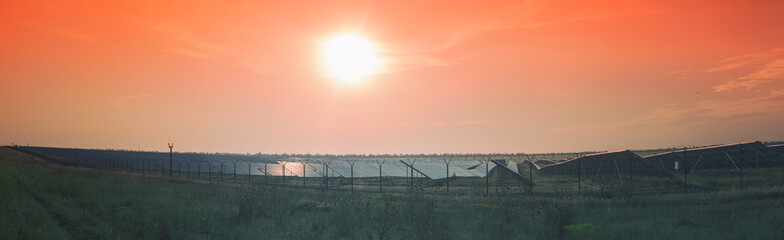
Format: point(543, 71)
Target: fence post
point(631, 173)
point(740, 163)
point(531, 175)
point(284, 174)
point(265, 173)
point(352, 177)
point(171, 146)
point(487, 176)
point(685, 172)
point(380, 165)
point(579, 176)
point(447, 162)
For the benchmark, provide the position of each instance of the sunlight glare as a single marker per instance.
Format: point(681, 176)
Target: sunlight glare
point(349, 58)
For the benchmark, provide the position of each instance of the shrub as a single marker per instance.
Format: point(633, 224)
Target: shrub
point(557, 216)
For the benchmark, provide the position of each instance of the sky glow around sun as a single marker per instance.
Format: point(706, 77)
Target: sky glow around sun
point(349, 58)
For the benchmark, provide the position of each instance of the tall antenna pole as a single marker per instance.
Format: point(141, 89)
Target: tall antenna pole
point(171, 146)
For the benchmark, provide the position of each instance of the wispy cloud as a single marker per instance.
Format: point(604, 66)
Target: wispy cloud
point(771, 104)
point(772, 70)
point(744, 60)
point(763, 67)
point(739, 84)
point(748, 72)
point(531, 14)
point(176, 39)
point(67, 33)
point(191, 46)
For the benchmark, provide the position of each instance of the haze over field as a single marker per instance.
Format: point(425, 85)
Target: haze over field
point(532, 76)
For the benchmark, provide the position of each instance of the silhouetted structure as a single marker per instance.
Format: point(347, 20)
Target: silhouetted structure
point(728, 156)
point(619, 163)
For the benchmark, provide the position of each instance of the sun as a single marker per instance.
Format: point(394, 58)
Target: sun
point(348, 58)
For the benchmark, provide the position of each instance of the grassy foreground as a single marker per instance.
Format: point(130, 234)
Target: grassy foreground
point(45, 201)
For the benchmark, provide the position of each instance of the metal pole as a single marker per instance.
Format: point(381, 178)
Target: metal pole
point(352, 178)
point(411, 182)
point(740, 163)
point(487, 177)
point(326, 177)
point(235, 172)
point(249, 176)
point(579, 176)
point(447, 177)
point(685, 172)
point(379, 178)
point(531, 175)
point(171, 146)
point(631, 175)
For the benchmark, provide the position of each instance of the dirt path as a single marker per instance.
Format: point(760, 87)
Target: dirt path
point(58, 219)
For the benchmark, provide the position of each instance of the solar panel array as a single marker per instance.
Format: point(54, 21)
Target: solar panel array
point(729, 156)
point(430, 168)
point(754, 154)
point(364, 168)
point(618, 163)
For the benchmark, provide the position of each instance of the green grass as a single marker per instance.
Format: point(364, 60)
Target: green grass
point(45, 201)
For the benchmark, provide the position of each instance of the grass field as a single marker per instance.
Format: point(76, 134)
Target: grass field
point(40, 200)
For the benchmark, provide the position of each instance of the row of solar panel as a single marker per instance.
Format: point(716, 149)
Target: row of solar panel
point(362, 168)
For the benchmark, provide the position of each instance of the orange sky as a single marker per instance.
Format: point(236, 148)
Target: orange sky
point(535, 76)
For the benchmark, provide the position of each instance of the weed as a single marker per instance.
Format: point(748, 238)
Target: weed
point(556, 216)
